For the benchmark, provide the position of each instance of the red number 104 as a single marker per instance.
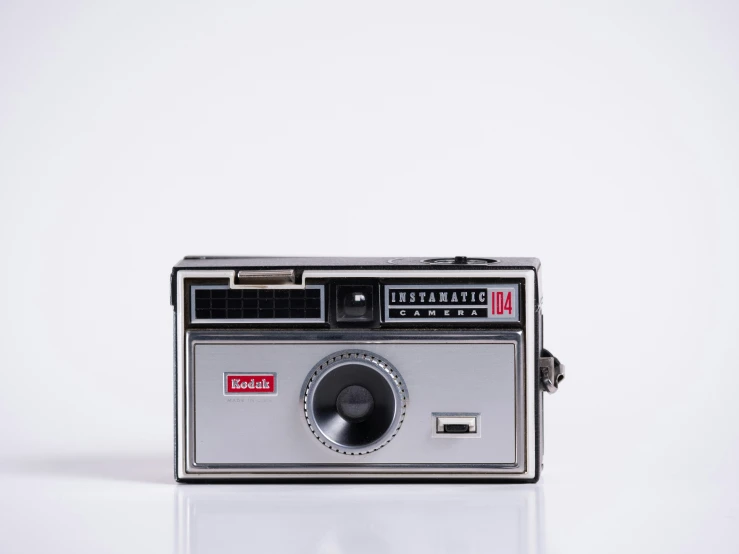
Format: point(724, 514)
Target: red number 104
point(502, 303)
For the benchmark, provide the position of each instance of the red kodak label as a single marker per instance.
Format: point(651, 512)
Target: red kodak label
point(250, 383)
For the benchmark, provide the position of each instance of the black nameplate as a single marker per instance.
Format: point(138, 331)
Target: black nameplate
point(451, 303)
point(438, 313)
point(440, 296)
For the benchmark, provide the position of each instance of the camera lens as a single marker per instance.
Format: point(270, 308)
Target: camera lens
point(354, 303)
point(354, 402)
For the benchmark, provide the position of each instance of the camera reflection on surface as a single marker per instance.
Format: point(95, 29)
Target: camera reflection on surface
point(359, 518)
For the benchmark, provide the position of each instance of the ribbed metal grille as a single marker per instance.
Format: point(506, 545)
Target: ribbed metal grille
point(222, 303)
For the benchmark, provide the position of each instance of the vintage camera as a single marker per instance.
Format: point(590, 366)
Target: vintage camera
point(359, 369)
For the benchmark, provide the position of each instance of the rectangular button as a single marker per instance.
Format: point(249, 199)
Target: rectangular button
point(456, 424)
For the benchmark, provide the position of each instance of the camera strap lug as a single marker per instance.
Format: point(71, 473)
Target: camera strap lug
point(552, 372)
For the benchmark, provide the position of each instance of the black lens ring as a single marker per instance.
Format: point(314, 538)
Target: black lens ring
point(335, 374)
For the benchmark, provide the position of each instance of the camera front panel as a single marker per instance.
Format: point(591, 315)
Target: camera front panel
point(301, 423)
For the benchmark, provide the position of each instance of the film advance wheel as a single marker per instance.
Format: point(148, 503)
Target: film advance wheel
point(354, 402)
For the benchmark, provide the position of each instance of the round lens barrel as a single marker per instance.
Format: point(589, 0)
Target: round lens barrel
point(355, 404)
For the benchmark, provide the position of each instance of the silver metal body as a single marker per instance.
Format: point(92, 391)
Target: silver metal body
point(488, 379)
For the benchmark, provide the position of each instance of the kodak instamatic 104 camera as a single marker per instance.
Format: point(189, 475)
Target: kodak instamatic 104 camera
point(405, 369)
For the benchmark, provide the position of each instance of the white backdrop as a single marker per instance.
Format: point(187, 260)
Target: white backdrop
point(602, 139)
